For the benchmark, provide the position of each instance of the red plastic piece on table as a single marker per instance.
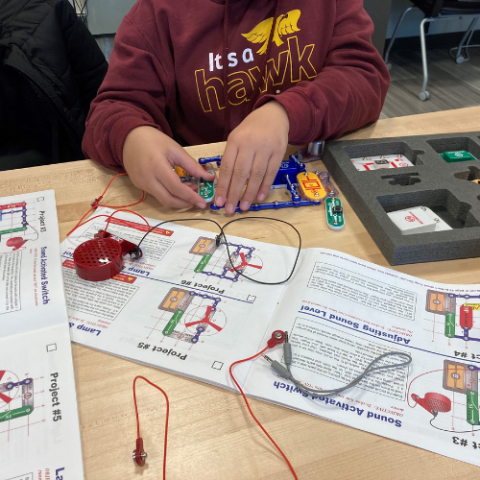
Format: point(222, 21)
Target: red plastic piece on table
point(278, 336)
point(98, 259)
point(16, 242)
point(434, 402)
point(466, 317)
point(139, 454)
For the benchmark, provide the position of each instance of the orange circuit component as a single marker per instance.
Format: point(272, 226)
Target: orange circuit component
point(175, 299)
point(454, 377)
point(436, 302)
point(180, 171)
point(203, 245)
point(311, 186)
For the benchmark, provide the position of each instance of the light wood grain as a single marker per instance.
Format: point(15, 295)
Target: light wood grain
point(211, 436)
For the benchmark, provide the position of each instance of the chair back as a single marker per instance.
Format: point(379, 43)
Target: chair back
point(431, 8)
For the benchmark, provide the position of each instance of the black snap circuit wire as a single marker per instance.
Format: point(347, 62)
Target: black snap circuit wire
point(221, 236)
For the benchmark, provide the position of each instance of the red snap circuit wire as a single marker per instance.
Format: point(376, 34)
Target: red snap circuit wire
point(139, 438)
point(251, 412)
point(96, 204)
point(109, 217)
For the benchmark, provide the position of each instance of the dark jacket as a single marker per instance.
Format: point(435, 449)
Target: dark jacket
point(50, 70)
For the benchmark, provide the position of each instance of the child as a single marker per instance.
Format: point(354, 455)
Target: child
point(257, 73)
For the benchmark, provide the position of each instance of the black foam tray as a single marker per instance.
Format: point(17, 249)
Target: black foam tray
point(431, 182)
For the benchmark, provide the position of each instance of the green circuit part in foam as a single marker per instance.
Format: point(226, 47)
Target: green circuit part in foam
point(457, 156)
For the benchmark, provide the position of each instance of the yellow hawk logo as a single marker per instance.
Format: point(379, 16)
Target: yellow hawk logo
point(284, 25)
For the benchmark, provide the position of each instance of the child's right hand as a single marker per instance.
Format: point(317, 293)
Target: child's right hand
point(149, 157)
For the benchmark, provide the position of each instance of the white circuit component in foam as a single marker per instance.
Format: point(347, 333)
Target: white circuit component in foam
point(381, 162)
point(418, 220)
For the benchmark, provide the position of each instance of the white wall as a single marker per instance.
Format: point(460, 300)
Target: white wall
point(411, 24)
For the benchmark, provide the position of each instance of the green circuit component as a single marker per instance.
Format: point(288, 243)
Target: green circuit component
point(449, 324)
point(472, 407)
point(457, 156)
point(203, 263)
point(16, 413)
point(206, 190)
point(334, 209)
point(170, 327)
point(13, 230)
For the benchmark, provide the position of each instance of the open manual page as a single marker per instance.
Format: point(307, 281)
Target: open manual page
point(39, 428)
point(341, 313)
point(183, 308)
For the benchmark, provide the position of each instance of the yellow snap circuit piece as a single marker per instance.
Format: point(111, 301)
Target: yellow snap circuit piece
point(311, 186)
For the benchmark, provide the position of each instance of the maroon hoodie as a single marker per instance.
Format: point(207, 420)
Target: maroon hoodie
point(168, 71)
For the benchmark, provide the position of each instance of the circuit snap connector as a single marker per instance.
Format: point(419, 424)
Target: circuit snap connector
point(139, 454)
point(278, 337)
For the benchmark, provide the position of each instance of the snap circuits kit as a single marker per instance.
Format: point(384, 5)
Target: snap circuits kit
point(305, 188)
point(314, 186)
point(418, 197)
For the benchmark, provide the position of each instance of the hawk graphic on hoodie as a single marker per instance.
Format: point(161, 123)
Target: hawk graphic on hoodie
point(284, 25)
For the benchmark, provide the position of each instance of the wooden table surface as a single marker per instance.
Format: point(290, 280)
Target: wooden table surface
point(211, 437)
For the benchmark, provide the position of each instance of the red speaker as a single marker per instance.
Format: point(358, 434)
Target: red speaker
point(101, 257)
point(434, 402)
point(16, 242)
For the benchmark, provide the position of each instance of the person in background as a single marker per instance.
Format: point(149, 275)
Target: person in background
point(257, 73)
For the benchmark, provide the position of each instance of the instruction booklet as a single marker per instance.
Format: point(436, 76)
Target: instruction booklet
point(182, 307)
point(39, 428)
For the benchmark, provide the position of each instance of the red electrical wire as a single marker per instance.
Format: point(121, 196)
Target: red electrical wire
point(252, 414)
point(129, 211)
point(166, 418)
point(97, 200)
point(109, 219)
point(96, 204)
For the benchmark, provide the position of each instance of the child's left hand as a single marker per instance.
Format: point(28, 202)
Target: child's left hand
point(253, 155)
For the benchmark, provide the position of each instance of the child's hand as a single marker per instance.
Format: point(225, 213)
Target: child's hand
point(149, 157)
point(253, 155)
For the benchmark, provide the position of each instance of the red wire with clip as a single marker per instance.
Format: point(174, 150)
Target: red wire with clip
point(139, 455)
point(109, 219)
point(277, 337)
point(96, 204)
